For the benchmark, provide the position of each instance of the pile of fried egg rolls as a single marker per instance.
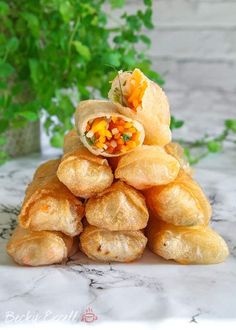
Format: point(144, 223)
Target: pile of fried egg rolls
point(121, 184)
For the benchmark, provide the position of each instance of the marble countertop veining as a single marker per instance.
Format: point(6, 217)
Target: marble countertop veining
point(150, 291)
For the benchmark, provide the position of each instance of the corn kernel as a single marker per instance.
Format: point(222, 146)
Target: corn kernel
point(132, 130)
point(98, 125)
point(107, 133)
point(131, 144)
point(128, 125)
point(102, 139)
point(99, 145)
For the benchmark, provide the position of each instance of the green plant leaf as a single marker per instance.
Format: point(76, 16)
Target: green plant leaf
point(4, 8)
point(82, 50)
point(12, 45)
point(231, 124)
point(3, 140)
point(48, 124)
point(3, 85)
point(148, 2)
point(175, 124)
point(34, 68)
point(32, 21)
point(147, 18)
point(117, 3)
point(112, 59)
point(3, 157)
point(214, 146)
point(134, 22)
point(66, 11)
point(4, 123)
point(6, 69)
point(31, 116)
point(145, 39)
point(57, 140)
point(129, 60)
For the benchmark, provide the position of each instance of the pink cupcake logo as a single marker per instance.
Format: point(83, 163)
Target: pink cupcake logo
point(89, 316)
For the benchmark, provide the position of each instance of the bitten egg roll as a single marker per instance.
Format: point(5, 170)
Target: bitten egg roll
point(141, 99)
point(83, 173)
point(147, 166)
point(186, 245)
point(181, 202)
point(119, 207)
point(104, 131)
point(38, 248)
point(174, 149)
point(49, 205)
point(104, 245)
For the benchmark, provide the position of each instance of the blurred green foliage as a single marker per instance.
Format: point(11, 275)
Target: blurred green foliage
point(54, 53)
point(49, 47)
point(200, 148)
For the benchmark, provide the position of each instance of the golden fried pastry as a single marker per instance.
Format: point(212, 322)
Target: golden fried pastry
point(104, 131)
point(37, 248)
point(141, 99)
point(49, 205)
point(186, 245)
point(104, 245)
point(83, 173)
point(147, 166)
point(181, 202)
point(174, 149)
point(119, 207)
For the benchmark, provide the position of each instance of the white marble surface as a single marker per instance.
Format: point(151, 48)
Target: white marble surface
point(150, 293)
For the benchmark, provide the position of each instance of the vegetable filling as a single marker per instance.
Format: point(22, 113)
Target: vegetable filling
point(133, 90)
point(112, 135)
point(137, 89)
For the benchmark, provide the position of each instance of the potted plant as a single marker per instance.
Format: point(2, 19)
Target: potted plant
point(58, 52)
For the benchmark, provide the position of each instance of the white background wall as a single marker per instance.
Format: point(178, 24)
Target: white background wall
point(194, 47)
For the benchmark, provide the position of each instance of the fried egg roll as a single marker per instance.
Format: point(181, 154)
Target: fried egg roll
point(49, 205)
point(174, 149)
point(147, 166)
point(83, 173)
point(104, 245)
point(181, 202)
point(119, 207)
point(141, 99)
point(38, 248)
point(186, 245)
point(106, 132)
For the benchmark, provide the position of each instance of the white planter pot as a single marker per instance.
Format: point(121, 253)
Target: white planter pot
point(23, 141)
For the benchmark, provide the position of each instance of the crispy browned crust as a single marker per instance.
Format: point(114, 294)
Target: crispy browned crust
point(49, 205)
point(107, 246)
point(181, 202)
point(186, 245)
point(83, 173)
point(119, 207)
point(147, 166)
point(174, 149)
point(37, 248)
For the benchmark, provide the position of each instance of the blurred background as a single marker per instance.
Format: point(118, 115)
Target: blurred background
point(60, 52)
point(194, 48)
